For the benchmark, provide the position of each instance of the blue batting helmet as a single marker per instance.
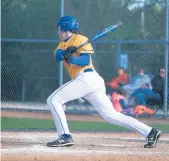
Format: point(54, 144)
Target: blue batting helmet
point(68, 23)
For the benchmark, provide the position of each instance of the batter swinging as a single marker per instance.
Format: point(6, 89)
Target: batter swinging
point(86, 83)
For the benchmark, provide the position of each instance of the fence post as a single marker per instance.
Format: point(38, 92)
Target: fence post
point(61, 63)
point(23, 89)
point(118, 50)
point(166, 58)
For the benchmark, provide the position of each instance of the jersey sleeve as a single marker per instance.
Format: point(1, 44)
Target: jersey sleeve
point(86, 48)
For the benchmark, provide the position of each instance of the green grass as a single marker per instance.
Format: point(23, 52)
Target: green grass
point(26, 123)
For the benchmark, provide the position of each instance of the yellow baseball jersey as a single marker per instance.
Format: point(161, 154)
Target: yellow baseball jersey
point(76, 40)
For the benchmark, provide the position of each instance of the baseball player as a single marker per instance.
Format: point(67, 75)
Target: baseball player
point(86, 83)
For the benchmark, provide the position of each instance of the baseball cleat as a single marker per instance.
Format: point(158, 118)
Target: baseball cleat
point(152, 138)
point(63, 140)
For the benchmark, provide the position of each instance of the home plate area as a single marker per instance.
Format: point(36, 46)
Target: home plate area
point(95, 146)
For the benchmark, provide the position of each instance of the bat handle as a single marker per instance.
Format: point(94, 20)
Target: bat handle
point(83, 44)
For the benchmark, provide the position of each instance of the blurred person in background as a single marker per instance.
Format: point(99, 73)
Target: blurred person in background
point(150, 94)
point(117, 97)
point(121, 79)
point(158, 88)
point(138, 81)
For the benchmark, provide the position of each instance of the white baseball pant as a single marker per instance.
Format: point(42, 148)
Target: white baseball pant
point(90, 86)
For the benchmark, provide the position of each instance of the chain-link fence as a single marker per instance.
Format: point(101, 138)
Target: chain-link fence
point(29, 71)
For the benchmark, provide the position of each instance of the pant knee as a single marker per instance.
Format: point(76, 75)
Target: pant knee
point(51, 100)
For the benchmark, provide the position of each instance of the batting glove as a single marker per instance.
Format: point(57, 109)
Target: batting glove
point(72, 49)
point(68, 54)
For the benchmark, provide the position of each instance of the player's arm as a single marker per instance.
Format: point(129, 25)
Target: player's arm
point(84, 55)
point(59, 54)
point(82, 60)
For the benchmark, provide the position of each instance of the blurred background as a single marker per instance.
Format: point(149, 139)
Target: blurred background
point(29, 72)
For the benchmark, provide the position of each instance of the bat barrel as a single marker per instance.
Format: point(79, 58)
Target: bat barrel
point(105, 31)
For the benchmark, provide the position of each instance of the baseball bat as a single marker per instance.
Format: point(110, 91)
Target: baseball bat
point(102, 33)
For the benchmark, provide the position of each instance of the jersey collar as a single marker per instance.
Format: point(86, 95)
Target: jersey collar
point(69, 38)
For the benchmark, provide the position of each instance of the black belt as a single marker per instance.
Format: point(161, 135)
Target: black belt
point(88, 70)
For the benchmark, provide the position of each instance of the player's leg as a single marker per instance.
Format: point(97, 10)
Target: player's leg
point(70, 91)
point(103, 105)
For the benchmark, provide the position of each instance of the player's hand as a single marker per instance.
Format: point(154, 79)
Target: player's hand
point(71, 49)
point(68, 53)
point(67, 56)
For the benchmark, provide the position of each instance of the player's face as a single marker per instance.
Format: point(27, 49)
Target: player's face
point(62, 35)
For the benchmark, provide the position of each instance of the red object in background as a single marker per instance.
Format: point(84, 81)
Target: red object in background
point(114, 83)
point(140, 109)
point(115, 101)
